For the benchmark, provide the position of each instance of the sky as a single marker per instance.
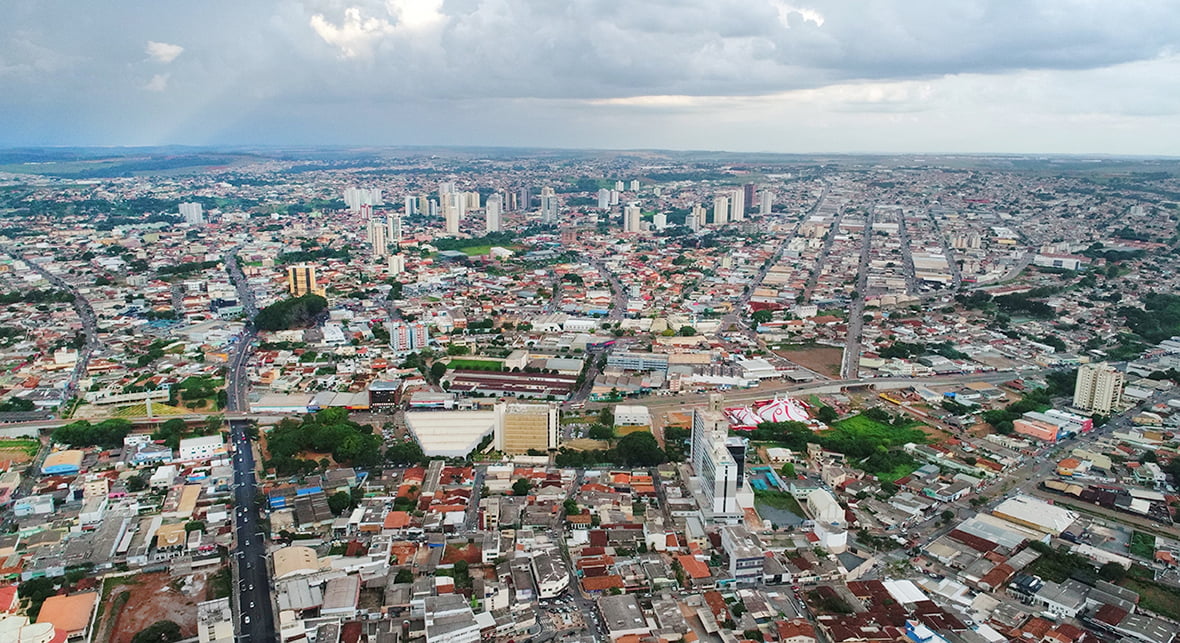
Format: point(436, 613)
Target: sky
point(791, 76)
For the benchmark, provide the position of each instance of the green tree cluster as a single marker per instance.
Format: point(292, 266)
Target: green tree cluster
point(107, 434)
point(296, 312)
point(328, 430)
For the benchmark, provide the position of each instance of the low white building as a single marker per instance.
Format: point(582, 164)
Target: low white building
point(205, 447)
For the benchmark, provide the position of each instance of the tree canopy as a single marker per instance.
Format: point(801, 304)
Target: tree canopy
point(297, 312)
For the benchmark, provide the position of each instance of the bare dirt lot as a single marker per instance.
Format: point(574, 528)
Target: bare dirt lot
point(821, 359)
point(154, 597)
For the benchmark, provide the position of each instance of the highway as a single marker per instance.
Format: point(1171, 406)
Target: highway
point(252, 596)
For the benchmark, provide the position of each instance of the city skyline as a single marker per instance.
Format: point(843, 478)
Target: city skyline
point(823, 77)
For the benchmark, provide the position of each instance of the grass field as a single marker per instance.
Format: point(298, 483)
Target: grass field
point(868, 428)
point(476, 251)
point(780, 500)
point(1154, 597)
point(476, 364)
point(29, 447)
point(158, 408)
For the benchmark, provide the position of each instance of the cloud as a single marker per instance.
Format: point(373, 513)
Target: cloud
point(163, 52)
point(158, 83)
point(356, 36)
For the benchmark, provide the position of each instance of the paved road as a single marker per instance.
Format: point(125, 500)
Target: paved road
point(907, 254)
point(89, 326)
point(850, 364)
point(822, 257)
point(256, 622)
point(947, 251)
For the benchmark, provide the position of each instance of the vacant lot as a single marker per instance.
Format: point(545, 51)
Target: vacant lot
point(155, 597)
point(819, 358)
point(17, 451)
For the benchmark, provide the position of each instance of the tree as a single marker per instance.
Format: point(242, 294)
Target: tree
point(687, 331)
point(194, 525)
point(521, 487)
point(296, 312)
point(1112, 572)
point(601, 432)
point(762, 316)
point(404, 576)
point(339, 502)
point(639, 449)
point(827, 414)
point(159, 632)
point(788, 470)
point(136, 484)
point(437, 370)
point(947, 515)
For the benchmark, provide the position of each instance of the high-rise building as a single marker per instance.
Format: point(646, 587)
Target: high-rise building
point(748, 194)
point(379, 245)
point(614, 197)
point(632, 217)
point(720, 210)
point(659, 221)
point(397, 264)
point(524, 199)
point(522, 427)
point(354, 198)
point(714, 466)
point(1099, 388)
point(193, 213)
point(696, 219)
point(619, 187)
point(411, 205)
point(301, 280)
point(451, 216)
point(472, 201)
point(492, 221)
point(737, 206)
point(423, 205)
point(634, 185)
point(445, 187)
point(393, 233)
point(548, 205)
point(407, 337)
point(765, 201)
point(603, 198)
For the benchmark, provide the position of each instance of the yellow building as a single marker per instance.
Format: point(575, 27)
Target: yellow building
point(301, 280)
point(521, 427)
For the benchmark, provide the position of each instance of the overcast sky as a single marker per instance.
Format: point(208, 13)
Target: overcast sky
point(1028, 76)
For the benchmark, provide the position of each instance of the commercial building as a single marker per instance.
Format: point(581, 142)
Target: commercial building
point(746, 554)
point(301, 280)
point(62, 463)
point(449, 619)
point(1099, 388)
point(450, 433)
point(548, 205)
point(550, 574)
point(205, 447)
point(384, 394)
point(521, 428)
point(1036, 514)
point(1033, 428)
point(622, 616)
point(70, 614)
point(632, 216)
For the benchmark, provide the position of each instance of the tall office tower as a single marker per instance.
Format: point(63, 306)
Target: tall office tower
point(634, 185)
point(519, 428)
point(631, 218)
point(603, 198)
point(301, 280)
point(548, 205)
point(407, 337)
point(423, 205)
point(748, 194)
point(524, 199)
point(451, 217)
point(765, 201)
point(397, 264)
point(614, 197)
point(737, 206)
point(492, 223)
point(411, 205)
point(445, 187)
point(354, 198)
point(193, 213)
point(696, 219)
point(720, 209)
point(619, 187)
point(659, 221)
point(393, 232)
point(1099, 388)
point(377, 241)
point(714, 465)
